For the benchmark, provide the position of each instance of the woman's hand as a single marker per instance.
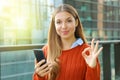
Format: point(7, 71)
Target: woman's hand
point(91, 59)
point(43, 69)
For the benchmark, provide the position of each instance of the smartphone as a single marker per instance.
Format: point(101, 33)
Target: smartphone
point(39, 55)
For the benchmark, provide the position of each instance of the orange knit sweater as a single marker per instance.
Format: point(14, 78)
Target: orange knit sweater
point(74, 67)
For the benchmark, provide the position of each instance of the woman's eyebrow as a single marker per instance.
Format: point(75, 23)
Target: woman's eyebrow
point(68, 18)
point(65, 18)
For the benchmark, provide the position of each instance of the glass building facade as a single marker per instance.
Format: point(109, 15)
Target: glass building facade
point(100, 18)
point(27, 21)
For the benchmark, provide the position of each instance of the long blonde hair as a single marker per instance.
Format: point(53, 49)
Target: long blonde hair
point(54, 40)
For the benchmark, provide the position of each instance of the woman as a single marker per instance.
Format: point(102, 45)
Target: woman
point(69, 57)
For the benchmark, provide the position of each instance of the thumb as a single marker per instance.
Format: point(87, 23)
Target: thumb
point(84, 55)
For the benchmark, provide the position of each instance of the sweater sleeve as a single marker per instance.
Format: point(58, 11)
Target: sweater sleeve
point(93, 73)
point(36, 77)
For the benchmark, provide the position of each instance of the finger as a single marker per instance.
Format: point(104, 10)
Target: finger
point(84, 55)
point(45, 65)
point(84, 52)
point(45, 73)
point(86, 49)
point(45, 69)
point(98, 52)
point(57, 60)
point(35, 61)
point(39, 63)
point(96, 47)
point(92, 44)
point(42, 68)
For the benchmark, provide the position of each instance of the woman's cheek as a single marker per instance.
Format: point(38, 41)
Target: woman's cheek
point(58, 29)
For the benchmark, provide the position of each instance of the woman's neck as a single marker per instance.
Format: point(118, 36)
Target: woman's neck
point(67, 43)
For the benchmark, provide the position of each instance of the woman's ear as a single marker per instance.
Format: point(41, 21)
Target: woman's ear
point(76, 23)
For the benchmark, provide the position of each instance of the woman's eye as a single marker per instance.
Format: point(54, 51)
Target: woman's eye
point(58, 22)
point(69, 20)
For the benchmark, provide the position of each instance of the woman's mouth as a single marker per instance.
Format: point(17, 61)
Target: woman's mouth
point(65, 32)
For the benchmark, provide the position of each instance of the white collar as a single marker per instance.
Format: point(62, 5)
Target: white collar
point(79, 41)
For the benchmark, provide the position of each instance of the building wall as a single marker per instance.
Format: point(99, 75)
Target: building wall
point(100, 18)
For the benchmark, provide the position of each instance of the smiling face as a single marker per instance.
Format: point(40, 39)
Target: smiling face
point(65, 25)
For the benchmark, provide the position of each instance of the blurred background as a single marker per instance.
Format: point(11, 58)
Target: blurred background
point(24, 26)
point(27, 21)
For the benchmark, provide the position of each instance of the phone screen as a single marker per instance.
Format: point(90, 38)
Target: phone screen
point(39, 55)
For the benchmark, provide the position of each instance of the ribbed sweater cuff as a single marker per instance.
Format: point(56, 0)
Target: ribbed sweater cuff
point(36, 77)
point(92, 73)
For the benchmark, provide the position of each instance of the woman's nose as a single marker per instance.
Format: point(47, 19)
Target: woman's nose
point(64, 25)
